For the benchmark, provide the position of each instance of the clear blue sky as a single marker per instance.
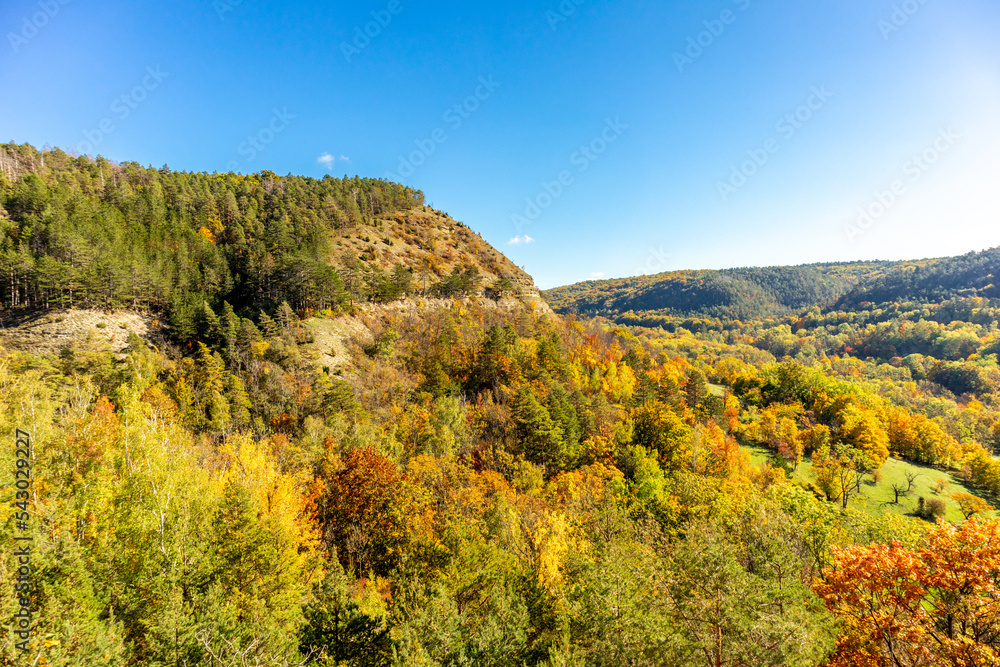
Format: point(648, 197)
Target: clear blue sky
point(665, 120)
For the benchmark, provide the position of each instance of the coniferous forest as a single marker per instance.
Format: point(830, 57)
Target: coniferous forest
point(348, 432)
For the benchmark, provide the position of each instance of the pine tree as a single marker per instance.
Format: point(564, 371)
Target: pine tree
point(541, 439)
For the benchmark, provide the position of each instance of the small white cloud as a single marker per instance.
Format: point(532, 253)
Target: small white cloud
point(345, 158)
point(326, 160)
point(519, 240)
point(597, 274)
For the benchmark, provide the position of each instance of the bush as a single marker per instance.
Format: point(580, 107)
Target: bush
point(930, 509)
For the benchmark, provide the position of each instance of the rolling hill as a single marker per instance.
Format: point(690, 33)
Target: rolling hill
point(747, 293)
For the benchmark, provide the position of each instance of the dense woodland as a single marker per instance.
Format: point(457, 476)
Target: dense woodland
point(482, 485)
point(752, 293)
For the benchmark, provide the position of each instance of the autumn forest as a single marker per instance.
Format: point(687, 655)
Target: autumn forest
point(278, 420)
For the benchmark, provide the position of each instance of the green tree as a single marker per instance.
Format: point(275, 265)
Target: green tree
point(541, 439)
point(337, 631)
point(658, 429)
point(754, 612)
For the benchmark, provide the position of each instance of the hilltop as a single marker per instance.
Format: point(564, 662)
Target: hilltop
point(77, 232)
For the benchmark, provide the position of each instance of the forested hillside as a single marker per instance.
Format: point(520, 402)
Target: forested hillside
point(475, 481)
point(761, 292)
point(932, 281)
point(734, 293)
point(75, 232)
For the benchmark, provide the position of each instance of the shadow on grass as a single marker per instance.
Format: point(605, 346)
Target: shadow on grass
point(877, 496)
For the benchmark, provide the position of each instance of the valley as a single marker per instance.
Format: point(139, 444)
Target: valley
point(314, 421)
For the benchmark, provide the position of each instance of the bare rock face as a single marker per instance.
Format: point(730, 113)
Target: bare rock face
point(54, 330)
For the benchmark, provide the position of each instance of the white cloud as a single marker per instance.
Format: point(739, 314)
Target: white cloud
point(597, 274)
point(345, 158)
point(519, 240)
point(326, 160)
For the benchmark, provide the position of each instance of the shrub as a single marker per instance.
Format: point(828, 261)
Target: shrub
point(930, 509)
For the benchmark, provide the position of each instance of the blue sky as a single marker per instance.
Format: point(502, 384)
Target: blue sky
point(602, 138)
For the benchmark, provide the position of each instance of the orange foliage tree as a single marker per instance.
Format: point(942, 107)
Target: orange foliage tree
point(360, 511)
point(936, 606)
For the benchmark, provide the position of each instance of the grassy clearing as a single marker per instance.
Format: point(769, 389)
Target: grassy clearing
point(877, 499)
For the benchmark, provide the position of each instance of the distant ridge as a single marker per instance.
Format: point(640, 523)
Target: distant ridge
point(748, 293)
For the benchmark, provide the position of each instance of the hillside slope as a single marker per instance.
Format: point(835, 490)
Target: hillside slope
point(972, 274)
point(748, 293)
point(83, 233)
point(42, 333)
point(736, 293)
